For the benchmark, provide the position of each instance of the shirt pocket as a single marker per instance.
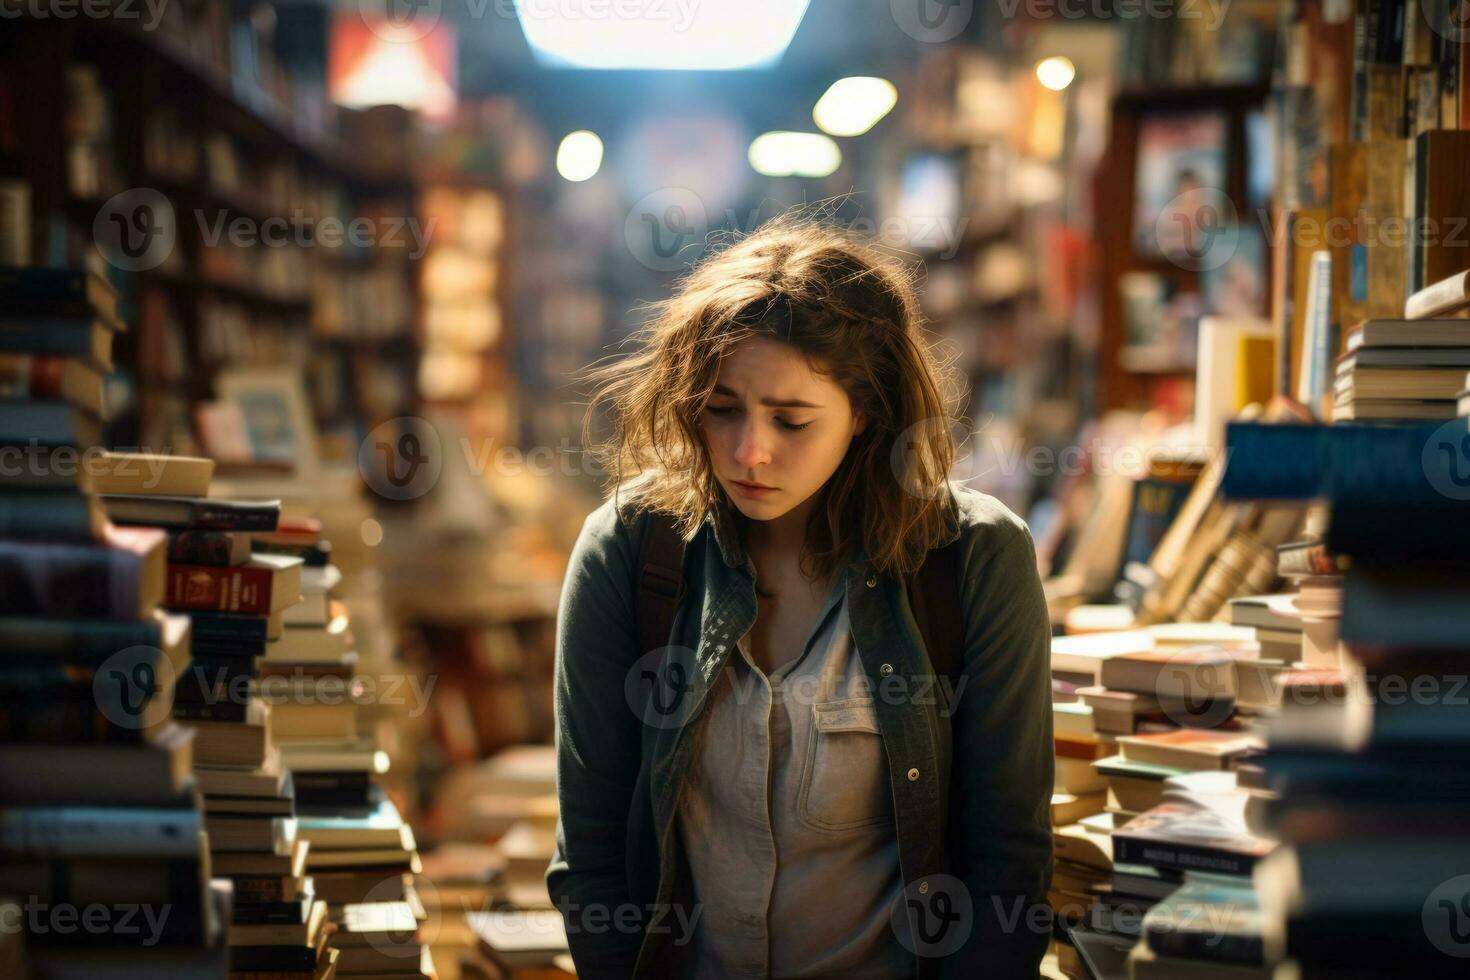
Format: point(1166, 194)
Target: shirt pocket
point(844, 779)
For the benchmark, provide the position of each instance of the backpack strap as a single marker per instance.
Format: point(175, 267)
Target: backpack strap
point(660, 582)
point(934, 595)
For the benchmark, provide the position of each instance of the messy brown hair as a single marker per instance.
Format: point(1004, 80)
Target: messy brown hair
point(850, 308)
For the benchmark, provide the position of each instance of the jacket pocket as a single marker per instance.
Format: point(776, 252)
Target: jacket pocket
point(844, 780)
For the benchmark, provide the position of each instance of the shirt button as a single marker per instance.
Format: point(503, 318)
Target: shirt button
point(873, 582)
point(913, 774)
point(885, 670)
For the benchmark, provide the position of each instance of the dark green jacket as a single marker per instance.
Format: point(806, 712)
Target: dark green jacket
point(971, 771)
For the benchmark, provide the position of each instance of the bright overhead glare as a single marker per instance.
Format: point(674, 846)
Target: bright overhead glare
point(852, 106)
point(687, 35)
point(579, 156)
point(783, 154)
point(1056, 72)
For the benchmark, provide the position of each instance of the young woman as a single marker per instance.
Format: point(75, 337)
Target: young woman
point(809, 798)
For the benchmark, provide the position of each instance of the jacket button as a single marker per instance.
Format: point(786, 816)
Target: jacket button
point(873, 582)
point(885, 670)
point(913, 774)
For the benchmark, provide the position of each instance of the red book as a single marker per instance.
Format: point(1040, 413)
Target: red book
point(263, 585)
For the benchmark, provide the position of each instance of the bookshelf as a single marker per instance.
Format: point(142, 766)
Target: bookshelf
point(1128, 376)
point(237, 170)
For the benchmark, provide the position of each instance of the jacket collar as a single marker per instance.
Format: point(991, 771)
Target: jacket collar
point(721, 520)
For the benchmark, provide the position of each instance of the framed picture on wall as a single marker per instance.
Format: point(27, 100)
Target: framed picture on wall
point(1180, 184)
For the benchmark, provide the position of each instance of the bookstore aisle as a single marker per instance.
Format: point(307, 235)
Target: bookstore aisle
point(296, 301)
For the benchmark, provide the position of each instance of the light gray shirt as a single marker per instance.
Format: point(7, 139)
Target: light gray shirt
point(788, 818)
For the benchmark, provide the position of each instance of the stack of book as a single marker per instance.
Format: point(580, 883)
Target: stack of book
point(1204, 823)
point(236, 600)
point(229, 595)
point(57, 328)
point(363, 855)
point(1402, 370)
point(1076, 795)
point(102, 838)
point(1367, 760)
point(1277, 623)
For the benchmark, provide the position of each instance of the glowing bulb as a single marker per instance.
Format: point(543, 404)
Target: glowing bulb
point(579, 156)
point(1056, 72)
point(783, 154)
point(852, 106)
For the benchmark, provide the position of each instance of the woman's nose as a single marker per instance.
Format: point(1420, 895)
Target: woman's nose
point(751, 450)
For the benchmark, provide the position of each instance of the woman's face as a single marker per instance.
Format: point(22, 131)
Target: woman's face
point(772, 421)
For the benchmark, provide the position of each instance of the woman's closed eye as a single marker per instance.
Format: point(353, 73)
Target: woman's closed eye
point(727, 410)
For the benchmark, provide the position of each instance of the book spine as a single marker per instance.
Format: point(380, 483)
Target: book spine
point(46, 287)
point(63, 722)
point(227, 628)
point(1209, 945)
point(1359, 463)
point(68, 580)
point(57, 337)
point(212, 710)
point(235, 590)
point(235, 517)
point(100, 832)
point(49, 517)
point(1181, 857)
point(81, 640)
point(260, 891)
point(68, 881)
point(269, 913)
point(199, 547)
